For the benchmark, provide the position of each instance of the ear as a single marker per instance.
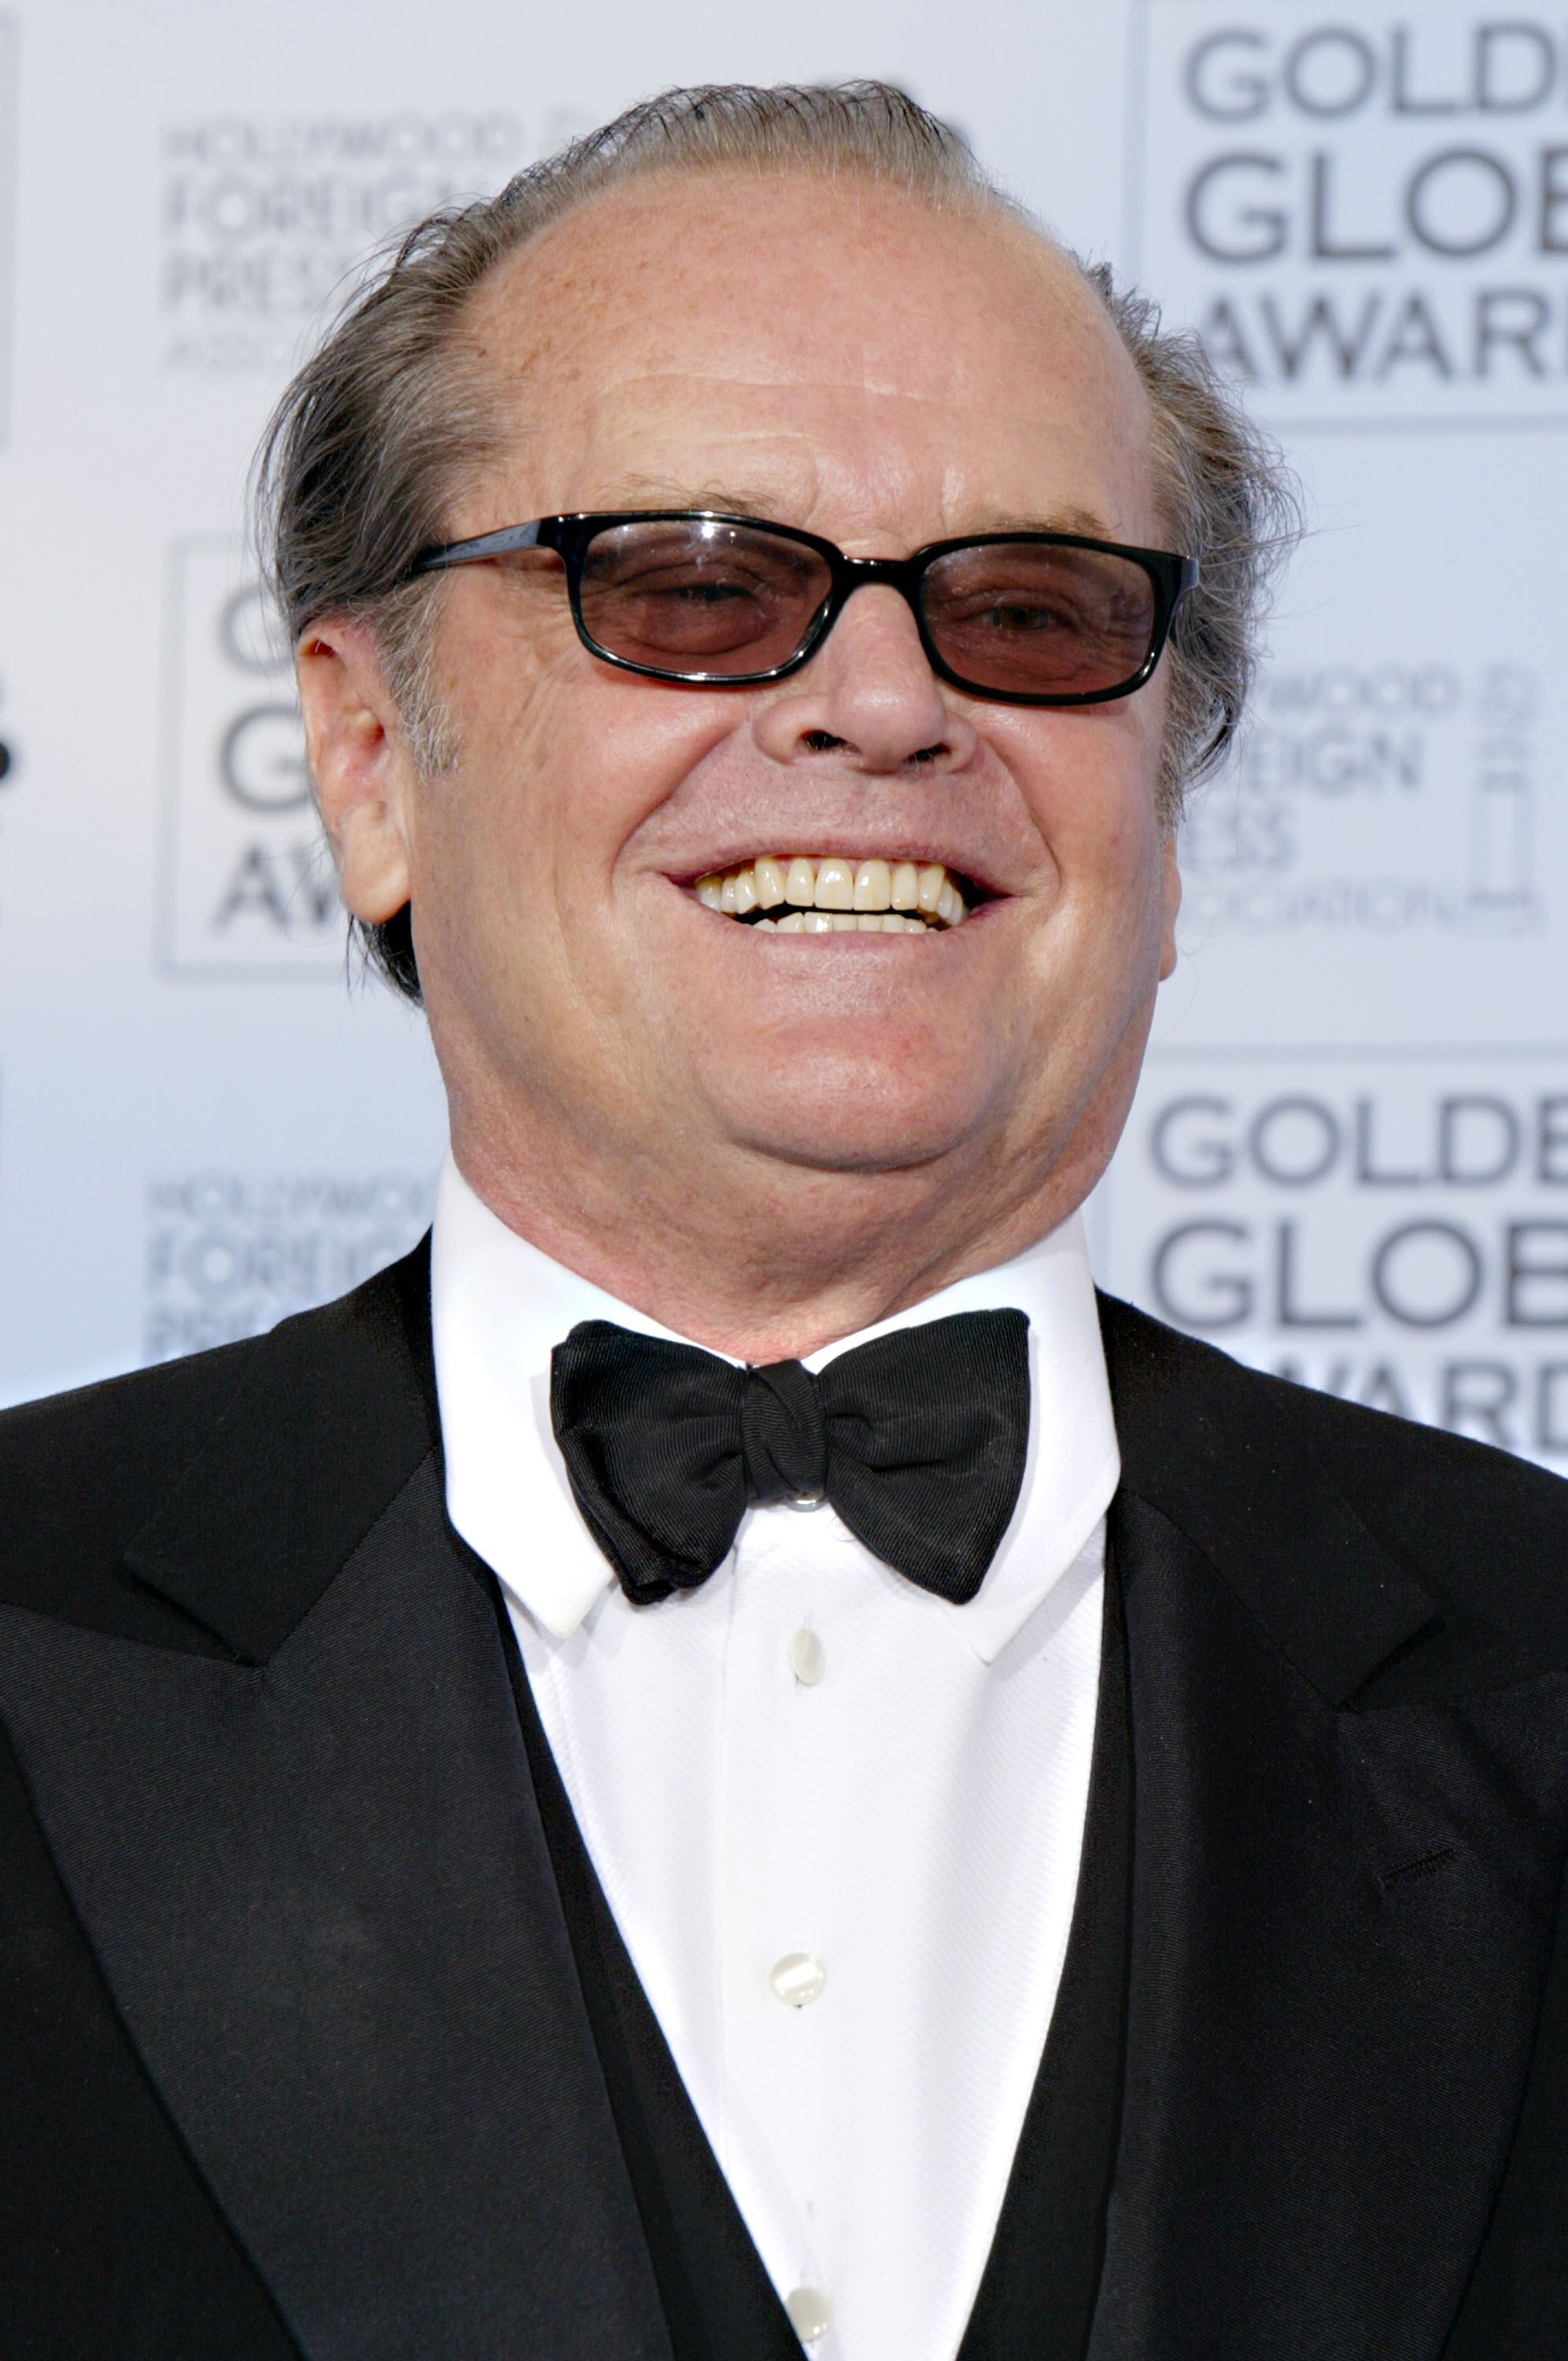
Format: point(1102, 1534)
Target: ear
point(1172, 891)
point(364, 779)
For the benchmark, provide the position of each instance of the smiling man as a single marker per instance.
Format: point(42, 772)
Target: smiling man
point(726, 1759)
point(813, 1133)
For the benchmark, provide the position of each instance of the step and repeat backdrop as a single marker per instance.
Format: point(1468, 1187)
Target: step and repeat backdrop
point(1349, 1158)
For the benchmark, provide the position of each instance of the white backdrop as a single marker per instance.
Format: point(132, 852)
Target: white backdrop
point(1349, 1158)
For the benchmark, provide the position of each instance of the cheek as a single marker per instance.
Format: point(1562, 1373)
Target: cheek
point(1090, 780)
point(561, 774)
point(1094, 959)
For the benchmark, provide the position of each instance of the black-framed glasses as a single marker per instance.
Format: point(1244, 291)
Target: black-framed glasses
point(727, 601)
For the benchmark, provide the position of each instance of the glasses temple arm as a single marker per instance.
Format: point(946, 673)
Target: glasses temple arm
point(469, 553)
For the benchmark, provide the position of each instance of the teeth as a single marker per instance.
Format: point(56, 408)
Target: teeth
point(835, 884)
point(874, 886)
point(836, 895)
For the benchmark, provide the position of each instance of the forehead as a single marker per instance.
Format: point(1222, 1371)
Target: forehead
point(839, 352)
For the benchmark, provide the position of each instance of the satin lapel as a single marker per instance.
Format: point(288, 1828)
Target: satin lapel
point(1340, 1929)
point(320, 1893)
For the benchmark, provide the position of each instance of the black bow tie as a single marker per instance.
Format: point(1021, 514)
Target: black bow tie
point(917, 1440)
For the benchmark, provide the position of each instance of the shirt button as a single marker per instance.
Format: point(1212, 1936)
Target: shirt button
point(797, 1979)
point(810, 2313)
point(807, 1658)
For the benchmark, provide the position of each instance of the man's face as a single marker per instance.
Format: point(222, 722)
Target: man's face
point(844, 359)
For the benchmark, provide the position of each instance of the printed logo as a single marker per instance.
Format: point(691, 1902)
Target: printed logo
point(229, 1254)
point(1386, 798)
point(266, 220)
point(1365, 212)
point(247, 882)
point(1394, 1235)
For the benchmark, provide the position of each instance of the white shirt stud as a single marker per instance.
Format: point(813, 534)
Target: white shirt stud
point(810, 2313)
point(797, 1977)
point(807, 1658)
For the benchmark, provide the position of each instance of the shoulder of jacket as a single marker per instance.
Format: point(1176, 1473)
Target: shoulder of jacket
point(1484, 1532)
point(1373, 1445)
point(82, 1473)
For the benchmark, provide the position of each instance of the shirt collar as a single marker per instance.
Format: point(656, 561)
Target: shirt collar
point(498, 1306)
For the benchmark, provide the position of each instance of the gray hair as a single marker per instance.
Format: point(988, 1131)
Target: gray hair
point(383, 428)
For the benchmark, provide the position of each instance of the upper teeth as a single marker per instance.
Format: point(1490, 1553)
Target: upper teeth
point(856, 893)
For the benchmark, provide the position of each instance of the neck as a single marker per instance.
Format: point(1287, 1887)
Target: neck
point(792, 1260)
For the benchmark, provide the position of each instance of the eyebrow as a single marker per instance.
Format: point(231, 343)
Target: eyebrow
point(731, 500)
point(1065, 519)
point(662, 492)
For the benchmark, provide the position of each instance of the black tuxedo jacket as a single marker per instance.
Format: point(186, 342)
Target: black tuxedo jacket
point(297, 2057)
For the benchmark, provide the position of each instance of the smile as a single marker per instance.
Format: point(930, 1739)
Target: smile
point(829, 894)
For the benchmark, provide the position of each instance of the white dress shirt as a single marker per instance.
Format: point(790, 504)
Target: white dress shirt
point(838, 1820)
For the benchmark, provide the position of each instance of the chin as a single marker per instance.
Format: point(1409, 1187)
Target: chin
point(859, 1121)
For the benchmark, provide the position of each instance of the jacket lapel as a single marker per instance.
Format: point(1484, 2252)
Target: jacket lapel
point(1341, 1919)
point(317, 1885)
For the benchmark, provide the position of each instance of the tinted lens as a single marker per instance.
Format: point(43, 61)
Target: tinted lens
point(1035, 619)
point(694, 597)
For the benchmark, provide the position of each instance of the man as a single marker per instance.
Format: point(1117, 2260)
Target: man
point(722, 1764)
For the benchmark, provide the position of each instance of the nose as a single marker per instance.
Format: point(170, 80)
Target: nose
point(869, 695)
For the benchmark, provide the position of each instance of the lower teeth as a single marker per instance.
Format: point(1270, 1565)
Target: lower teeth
point(836, 922)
